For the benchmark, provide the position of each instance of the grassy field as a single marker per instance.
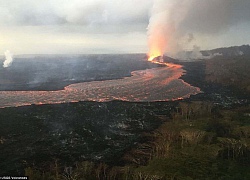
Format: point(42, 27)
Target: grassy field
point(229, 71)
point(198, 142)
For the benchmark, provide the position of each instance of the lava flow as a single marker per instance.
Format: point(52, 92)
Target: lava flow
point(157, 84)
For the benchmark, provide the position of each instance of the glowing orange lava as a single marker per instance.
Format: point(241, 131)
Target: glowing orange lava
point(150, 85)
point(156, 44)
point(153, 54)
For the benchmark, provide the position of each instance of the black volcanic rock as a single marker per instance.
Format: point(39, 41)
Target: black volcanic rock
point(43, 72)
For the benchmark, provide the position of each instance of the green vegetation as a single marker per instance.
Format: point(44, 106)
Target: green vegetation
point(229, 71)
point(198, 142)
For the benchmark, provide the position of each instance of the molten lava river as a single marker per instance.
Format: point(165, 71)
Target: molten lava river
point(158, 84)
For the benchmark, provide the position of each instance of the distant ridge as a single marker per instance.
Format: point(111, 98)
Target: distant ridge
point(229, 51)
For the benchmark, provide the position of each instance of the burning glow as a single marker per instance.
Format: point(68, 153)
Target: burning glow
point(156, 48)
point(153, 55)
point(157, 45)
point(160, 29)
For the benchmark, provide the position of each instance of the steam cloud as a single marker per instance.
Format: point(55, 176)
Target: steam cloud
point(166, 17)
point(174, 24)
point(8, 59)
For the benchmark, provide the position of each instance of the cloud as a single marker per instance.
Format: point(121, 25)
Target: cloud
point(28, 12)
point(80, 12)
point(182, 24)
point(213, 16)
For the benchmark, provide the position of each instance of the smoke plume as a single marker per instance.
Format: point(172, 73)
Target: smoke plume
point(8, 59)
point(174, 24)
point(166, 16)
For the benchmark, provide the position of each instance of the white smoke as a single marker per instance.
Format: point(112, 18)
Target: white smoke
point(8, 59)
point(240, 53)
point(217, 54)
point(194, 54)
point(177, 22)
point(165, 19)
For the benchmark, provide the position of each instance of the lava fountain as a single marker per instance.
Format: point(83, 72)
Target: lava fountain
point(157, 34)
point(156, 47)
